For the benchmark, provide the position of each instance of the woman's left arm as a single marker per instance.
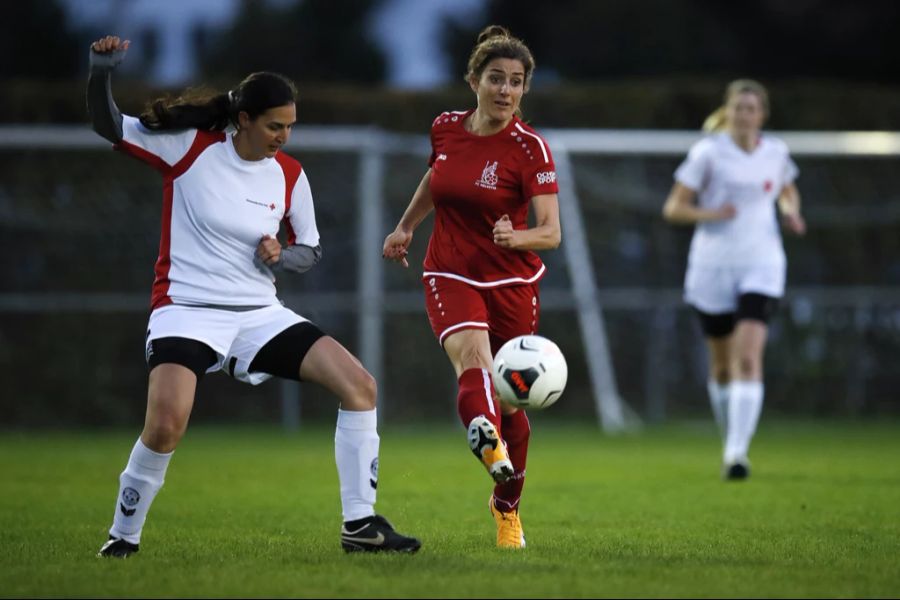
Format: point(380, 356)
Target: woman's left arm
point(789, 206)
point(546, 233)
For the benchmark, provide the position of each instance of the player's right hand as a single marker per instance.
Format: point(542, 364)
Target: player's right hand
point(396, 246)
point(109, 51)
point(110, 43)
point(726, 212)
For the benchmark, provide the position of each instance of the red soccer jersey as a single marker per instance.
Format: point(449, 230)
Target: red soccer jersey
point(475, 180)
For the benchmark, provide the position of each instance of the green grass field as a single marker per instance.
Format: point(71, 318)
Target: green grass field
point(255, 513)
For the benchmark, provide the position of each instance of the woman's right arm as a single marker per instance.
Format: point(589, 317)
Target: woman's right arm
point(106, 54)
point(681, 208)
point(396, 244)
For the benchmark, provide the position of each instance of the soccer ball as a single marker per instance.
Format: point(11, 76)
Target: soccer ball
point(530, 371)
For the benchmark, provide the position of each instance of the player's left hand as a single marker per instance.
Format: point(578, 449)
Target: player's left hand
point(269, 250)
point(794, 223)
point(504, 234)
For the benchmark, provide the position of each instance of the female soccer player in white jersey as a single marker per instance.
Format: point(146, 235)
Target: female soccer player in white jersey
point(481, 274)
point(213, 304)
point(728, 187)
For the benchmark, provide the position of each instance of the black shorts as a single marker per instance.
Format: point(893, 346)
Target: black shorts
point(751, 306)
point(281, 356)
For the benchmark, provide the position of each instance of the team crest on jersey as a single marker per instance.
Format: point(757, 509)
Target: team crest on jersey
point(489, 176)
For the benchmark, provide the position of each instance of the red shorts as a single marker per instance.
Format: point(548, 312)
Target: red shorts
point(505, 312)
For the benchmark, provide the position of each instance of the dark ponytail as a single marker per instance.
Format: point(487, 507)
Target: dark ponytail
point(212, 111)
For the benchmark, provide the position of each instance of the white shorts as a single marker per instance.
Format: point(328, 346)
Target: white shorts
point(715, 290)
point(233, 335)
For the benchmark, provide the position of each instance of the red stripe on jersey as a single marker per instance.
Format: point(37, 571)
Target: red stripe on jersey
point(202, 141)
point(292, 169)
point(142, 155)
point(160, 295)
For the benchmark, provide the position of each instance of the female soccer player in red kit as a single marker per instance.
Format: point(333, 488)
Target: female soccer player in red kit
point(481, 273)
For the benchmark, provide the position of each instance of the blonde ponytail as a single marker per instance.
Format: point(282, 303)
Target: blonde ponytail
point(715, 122)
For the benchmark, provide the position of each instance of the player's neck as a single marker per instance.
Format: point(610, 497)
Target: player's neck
point(479, 123)
point(746, 141)
point(244, 149)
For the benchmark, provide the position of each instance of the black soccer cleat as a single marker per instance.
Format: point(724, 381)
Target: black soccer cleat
point(737, 472)
point(375, 534)
point(117, 548)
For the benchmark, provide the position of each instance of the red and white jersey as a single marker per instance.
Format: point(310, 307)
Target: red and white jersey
point(475, 180)
point(216, 209)
point(722, 172)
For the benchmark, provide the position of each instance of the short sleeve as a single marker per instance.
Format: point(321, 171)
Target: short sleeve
point(539, 176)
point(790, 170)
point(433, 156)
point(161, 149)
point(302, 214)
point(693, 171)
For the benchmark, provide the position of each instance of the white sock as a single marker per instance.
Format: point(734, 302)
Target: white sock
point(356, 454)
point(719, 397)
point(138, 485)
point(743, 415)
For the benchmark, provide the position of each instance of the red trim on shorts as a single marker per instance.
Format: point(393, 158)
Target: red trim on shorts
point(461, 327)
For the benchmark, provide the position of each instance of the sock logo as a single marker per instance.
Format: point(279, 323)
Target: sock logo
point(374, 470)
point(130, 496)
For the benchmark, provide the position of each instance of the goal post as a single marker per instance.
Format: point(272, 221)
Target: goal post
point(589, 294)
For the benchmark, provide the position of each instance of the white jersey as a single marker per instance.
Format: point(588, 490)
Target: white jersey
point(721, 172)
point(216, 209)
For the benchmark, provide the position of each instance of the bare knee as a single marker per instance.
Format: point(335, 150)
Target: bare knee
point(163, 432)
point(473, 357)
point(719, 359)
point(170, 397)
point(720, 372)
point(361, 392)
point(747, 367)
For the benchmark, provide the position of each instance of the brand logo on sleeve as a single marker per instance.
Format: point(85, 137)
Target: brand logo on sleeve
point(545, 177)
point(767, 186)
point(441, 157)
point(489, 176)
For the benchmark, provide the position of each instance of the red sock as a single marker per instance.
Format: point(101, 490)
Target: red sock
point(476, 397)
point(516, 431)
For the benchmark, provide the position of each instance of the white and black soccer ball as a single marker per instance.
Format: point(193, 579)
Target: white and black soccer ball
point(530, 371)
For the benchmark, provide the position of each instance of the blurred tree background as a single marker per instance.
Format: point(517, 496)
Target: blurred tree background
point(314, 42)
point(830, 64)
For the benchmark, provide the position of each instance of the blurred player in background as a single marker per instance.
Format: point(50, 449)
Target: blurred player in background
point(214, 303)
point(481, 273)
point(728, 187)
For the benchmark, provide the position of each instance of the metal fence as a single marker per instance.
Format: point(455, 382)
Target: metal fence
point(80, 232)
